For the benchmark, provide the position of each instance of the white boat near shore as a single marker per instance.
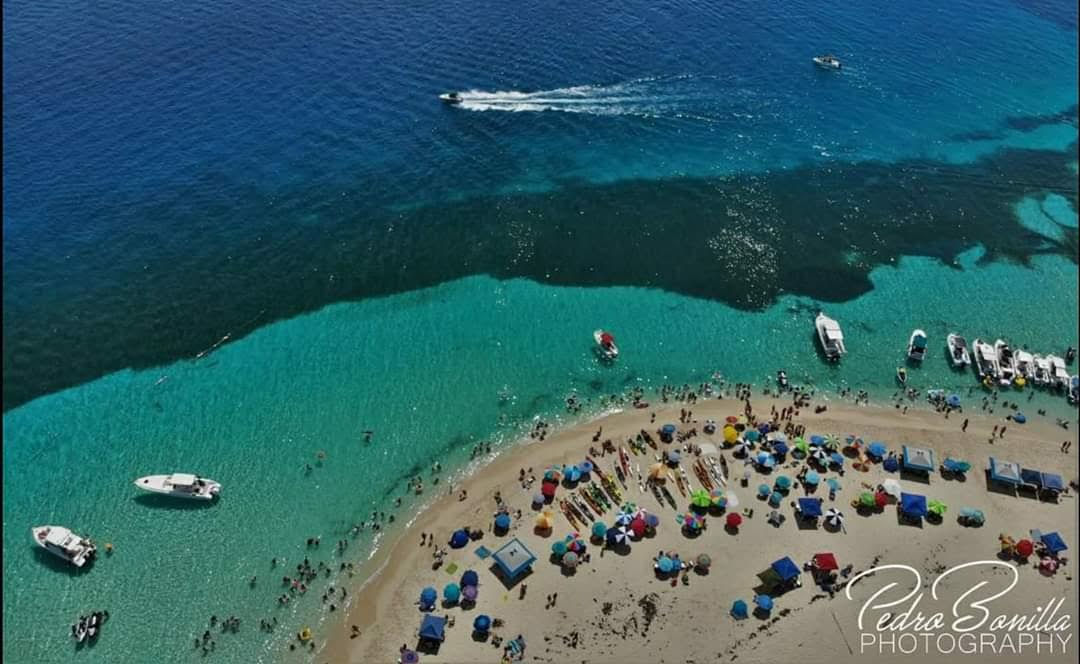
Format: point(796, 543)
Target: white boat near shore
point(1059, 373)
point(1041, 370)
point(180, 485)
point(916, 349)
point(65, 544)
point(1005, 361)
point(986, 364)
point(958, 350)
point(831, 337)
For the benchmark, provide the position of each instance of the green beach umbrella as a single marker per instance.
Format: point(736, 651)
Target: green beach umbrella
point(832, 442)
point(700, 498)
point(936, 507)
point(599, 529)
point(783, 482)
point(866, 499)
point(801, 445)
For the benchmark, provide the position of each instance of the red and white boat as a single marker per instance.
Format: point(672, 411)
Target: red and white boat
point(605, 342)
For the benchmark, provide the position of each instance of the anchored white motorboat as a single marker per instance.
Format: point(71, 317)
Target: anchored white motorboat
point(830, 336)
point(1025, 365)
point(605, 344)
point(958, 351)
point(916, 349)
point(65, 544)
point(1006, 363)
point(1059, 375)
point(827, 61)
point(1042, 370)
point(986, 363)
point(181, 485)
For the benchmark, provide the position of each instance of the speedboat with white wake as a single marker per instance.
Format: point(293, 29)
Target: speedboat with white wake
point(827, 61)
point(605, 344)
point(986, 364)
point(958, 352)
point(916, 348)
point(1042, 370)
point(450, 98)
point(830, 336)
point(180, 485)
point(65, 544)
point(1059, 375)
point(1006, 363)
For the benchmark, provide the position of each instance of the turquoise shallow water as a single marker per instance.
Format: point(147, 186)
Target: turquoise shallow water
point(432, 373)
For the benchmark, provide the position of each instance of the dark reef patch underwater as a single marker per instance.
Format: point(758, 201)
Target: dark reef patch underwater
point(236, 258)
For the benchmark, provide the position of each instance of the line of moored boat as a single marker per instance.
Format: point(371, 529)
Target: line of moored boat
point(997, 364)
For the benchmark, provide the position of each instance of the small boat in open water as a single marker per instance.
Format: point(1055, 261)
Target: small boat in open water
point(450, 98)
point(605, 344)
point(827, 61)
point(830, 336)
point(916, 349)
point(180, 485)
point(65, 544)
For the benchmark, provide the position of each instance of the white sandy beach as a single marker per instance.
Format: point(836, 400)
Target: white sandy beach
point(604, 611)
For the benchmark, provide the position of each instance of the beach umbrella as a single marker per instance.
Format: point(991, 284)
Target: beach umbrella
point(766, 459)
point(739, 609)
point(652, 520)
point(716, 495)
point(764, 490)
point(866, 499)
point(573, 474)
point(731, 419)
point(764, 602)
point(890, 464)
point(409, 657)
point(470, 593)
point(834, 484)
point(837, 459)
point(599, 530)
point(953, 400)
point(538, 499)
point(742, 447)
point(1048, 564)
point(832, 442)
point(482, 623)
point(764, 428)
point(752, 435)
point(783, 482)
point(811, 478)
point(665, 564)
point(553, 474)
point(1019, 418)
point(734, 520)
point(776, 518)
point(570, 559)
point(691, 521)
point(779, 437)
point(732, 500)
point(776, 498)
point(936, 507)
point(617, 536)
point(502, 521)
point(1024, 548)
point(700, 498)
point(853, 440)
point(459, 539)
point(559, 547)
point(637, 526)
point(623, 518)
point(880, 499)
point(586, 467)
point(452, 592)
point(575, 545)
point(826, 562)
point(630, 507)
point(877, 449)
point(972, 515)
point(780, 448)
point(834, 517)
point(668, 429)
point(820, 456)
point(730, 434)
point(428, 596)
point(892, 487)
point(817, 441)
point(470, 578)
point(673, 457)
point(548, 489)
point(801, 445)
point(657, 471)
point(544, 521)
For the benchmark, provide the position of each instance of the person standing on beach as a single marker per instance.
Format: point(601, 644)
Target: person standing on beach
point(963, 427)
point(1002, 434)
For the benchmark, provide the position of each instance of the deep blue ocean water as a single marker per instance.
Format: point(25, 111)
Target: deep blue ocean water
point(678, 172)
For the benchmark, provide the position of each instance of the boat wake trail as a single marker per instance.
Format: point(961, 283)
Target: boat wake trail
point(661, 97)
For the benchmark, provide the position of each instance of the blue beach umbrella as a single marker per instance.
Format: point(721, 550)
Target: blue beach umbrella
point(877, 449)
point(837, 459)
point(673, 457)
point(783, 483)
point(428, 596)
point(586, 467)
point(817, 441)
point(651, 520)
point(1019, 418)
point(764, 602)
point(953, 400)
point(452, 592)
point(459, 539)
point(812, 478)
point(668, 429)
point(834, 484)
point(502, 522)
point(753, 435)
point(482, 623)
point(665, 564)
point(780, 448)
point(891, 465)
point(766, 459)
point(739, 609)
point(764, 490)
point(776, 498)
point(538, 499)
point(623, 519)
point(470, 578)
point(573, 473)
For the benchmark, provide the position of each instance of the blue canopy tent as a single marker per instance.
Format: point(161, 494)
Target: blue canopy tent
point(809, 508)
point(1031, 479)
point(1053, 482)
point(786, 569)
point(502, 522)
point(459, 539)
point(1053, 543)
point(433, 628)
point(918, 458)
point(877, 449)
point(739, 609)
point(1005, 472)
point(470, 578)
point(913, 505)
point(482, 623)
point(513, 559)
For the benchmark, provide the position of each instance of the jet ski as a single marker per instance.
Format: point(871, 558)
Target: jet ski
point(93, 625)
point(78, 630)
point(901, 375)
point(450, 97)
point(1070, 355)
point(781, 379)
